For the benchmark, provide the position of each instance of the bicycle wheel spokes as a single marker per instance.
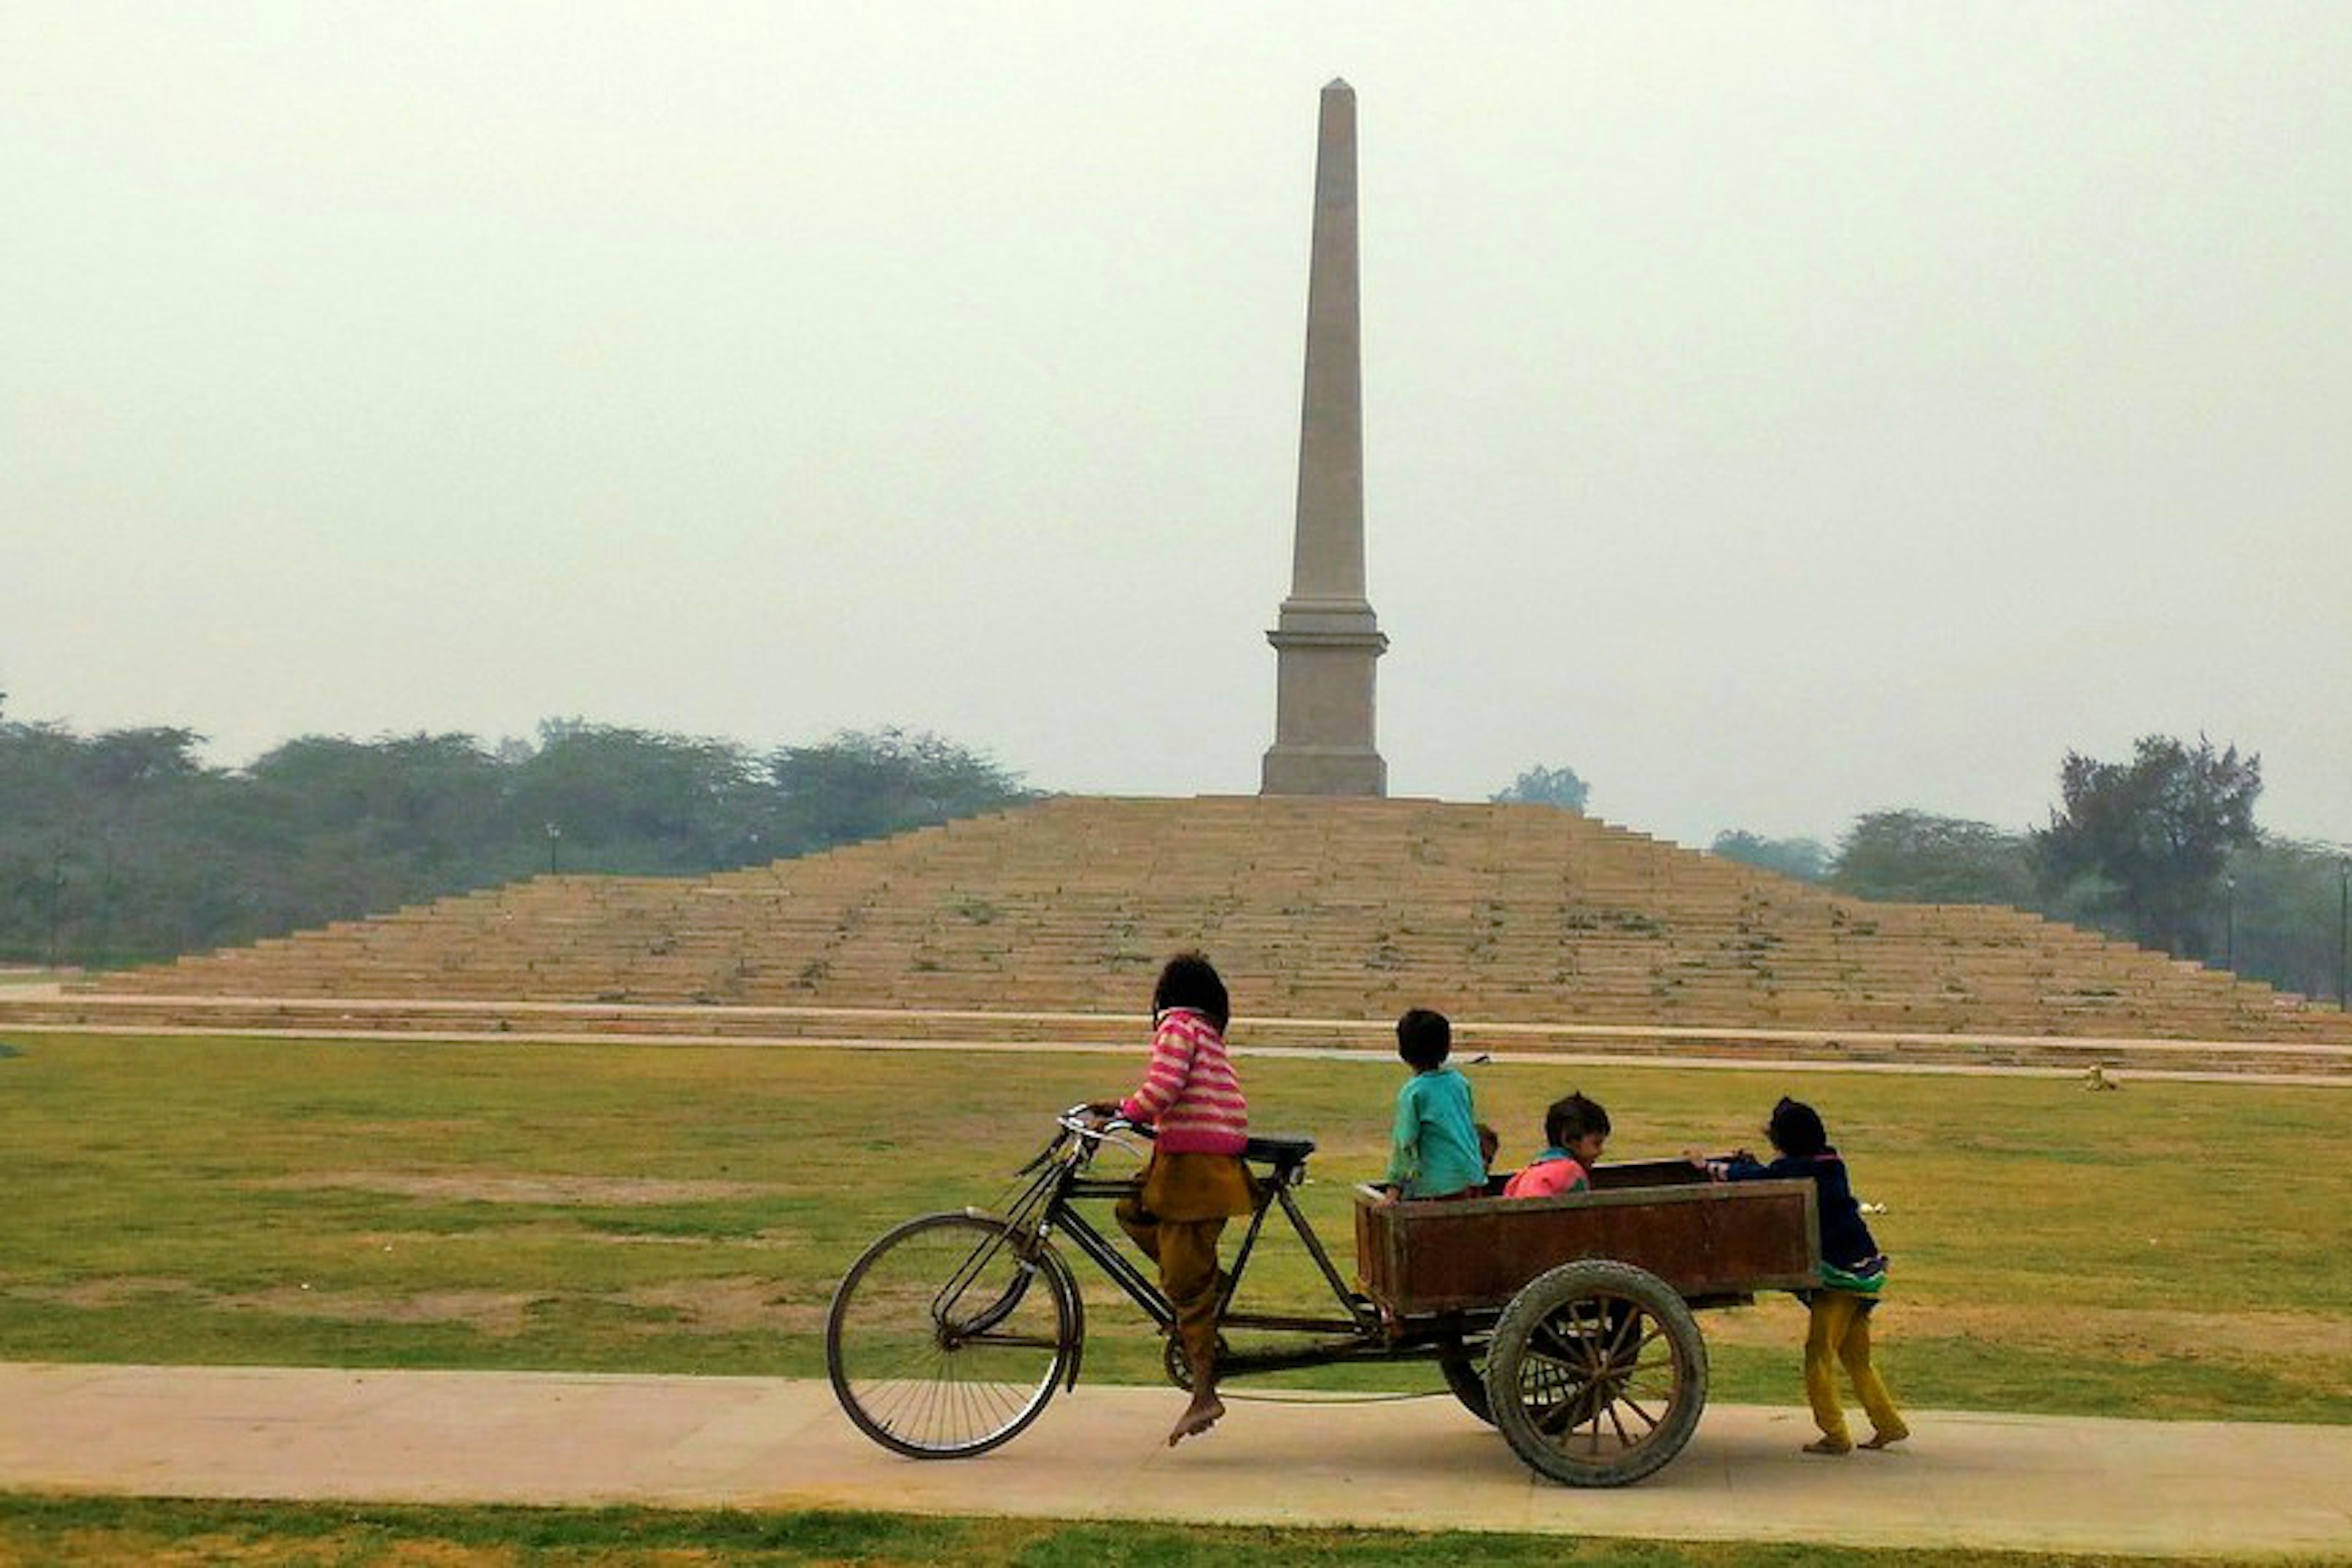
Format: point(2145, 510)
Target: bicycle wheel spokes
point(942, 1341)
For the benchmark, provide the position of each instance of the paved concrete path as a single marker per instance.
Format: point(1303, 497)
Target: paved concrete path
point(1995, 1482)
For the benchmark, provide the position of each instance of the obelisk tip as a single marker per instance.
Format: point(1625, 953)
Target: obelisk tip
point(1338, 84)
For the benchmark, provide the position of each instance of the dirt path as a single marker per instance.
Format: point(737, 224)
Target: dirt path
point(2033, 1483)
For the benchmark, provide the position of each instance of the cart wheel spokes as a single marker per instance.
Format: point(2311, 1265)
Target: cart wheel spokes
point(1597, 1374)
point(950, 1335)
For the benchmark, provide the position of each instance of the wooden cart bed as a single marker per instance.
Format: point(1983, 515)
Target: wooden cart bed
point(1714, 1243)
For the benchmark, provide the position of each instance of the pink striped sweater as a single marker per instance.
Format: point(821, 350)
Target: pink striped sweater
point(1190, 1092)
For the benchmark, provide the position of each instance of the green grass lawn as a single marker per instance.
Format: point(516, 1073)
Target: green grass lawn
point(2170, 1251)
point(132, 1530)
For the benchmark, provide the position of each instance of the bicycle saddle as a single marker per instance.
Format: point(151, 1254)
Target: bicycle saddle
point(1280, 1153)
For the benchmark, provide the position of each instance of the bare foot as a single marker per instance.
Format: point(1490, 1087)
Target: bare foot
point(1828, 1446)
point(1886, 1439)
point(1203, 1413)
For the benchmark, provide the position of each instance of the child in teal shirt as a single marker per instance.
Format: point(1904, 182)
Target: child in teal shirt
point(1435, 1150)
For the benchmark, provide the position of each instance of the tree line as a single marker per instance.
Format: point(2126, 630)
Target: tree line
point(126, 846)
point(2161, 849)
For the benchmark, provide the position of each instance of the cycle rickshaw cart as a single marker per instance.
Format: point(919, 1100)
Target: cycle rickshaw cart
point(1565, 1323)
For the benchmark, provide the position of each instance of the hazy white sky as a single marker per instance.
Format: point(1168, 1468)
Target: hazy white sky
point(1775, 412)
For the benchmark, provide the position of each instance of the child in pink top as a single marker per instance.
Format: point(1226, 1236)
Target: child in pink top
point(1196, 1179)
point(1575, 1128)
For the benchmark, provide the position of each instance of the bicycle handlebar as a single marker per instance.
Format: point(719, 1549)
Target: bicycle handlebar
point(1082, 1123)
point(1083, 1119)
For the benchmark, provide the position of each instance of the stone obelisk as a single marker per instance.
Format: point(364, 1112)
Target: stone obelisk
point(1325, 636)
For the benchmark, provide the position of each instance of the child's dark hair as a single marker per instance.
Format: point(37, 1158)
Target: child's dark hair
point(1425, 1039)
point(1796, 1129)
point(1571, 1119)
point(1190, 981)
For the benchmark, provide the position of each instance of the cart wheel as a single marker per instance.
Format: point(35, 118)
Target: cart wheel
point(1465, 1375)
point(1597, 1374)
point(949, 1334)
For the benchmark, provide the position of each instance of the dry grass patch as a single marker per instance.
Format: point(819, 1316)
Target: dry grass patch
point(2156, 1330)
point(728, 1307)
point(480, 1187)
point(501, 1314)
point(494, 1312)
point(511, 1235)
point(102, 1293)
point(712, 1307)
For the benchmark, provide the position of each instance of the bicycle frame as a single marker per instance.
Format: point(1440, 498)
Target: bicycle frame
point(1357, 1332)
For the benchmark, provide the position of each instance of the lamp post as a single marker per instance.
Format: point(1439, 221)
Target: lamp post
point(2230, 923)
point(57, 892)
point(2343, 927)
point(554, 838)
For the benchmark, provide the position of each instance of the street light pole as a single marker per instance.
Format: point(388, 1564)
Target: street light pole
point(2343, 930)
point(57, 890)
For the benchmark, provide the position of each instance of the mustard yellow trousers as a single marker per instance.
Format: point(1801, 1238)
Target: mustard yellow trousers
point(1840, 1333)
point(1174, 1217)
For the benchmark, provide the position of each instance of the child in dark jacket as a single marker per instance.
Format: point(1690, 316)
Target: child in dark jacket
point(1852, 1272)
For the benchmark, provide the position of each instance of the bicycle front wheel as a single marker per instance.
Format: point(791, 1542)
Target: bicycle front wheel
point(950, 1335)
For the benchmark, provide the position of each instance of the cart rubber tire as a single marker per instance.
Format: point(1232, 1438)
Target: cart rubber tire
point(949, 1334)
point(1597, 1374)
point(1465, 1375)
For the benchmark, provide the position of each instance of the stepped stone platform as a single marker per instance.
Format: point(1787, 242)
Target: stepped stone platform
point(1540, 928)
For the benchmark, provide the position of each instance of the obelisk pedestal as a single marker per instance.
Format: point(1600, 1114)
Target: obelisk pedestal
point(1325, 636)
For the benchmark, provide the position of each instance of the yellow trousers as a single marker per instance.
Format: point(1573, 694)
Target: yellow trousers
point(1186, 1252)
point(1177, 1213)
point(1840, 1331)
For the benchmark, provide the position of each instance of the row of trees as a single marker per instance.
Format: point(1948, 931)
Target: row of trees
point(126, 846)
point(2161, 849)
point(2275, 911)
